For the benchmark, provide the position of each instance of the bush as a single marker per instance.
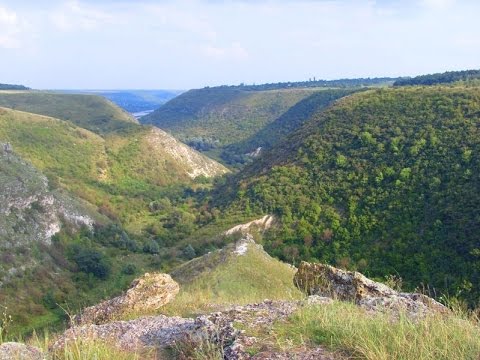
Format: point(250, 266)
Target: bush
point(151, 247)
point(189, 252)
point(129, 269)
point(92, 262)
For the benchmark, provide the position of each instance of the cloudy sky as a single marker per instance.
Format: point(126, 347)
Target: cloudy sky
point(88, 44)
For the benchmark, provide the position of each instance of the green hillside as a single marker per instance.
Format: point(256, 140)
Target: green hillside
point(285, 124)
point(91, 112)
point(386, 181)
point(213, 118)
point(139, 181)
point(140, 162)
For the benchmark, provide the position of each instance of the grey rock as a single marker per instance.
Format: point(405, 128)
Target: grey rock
point(147, 293)
point(328, 281)
point(17, 351)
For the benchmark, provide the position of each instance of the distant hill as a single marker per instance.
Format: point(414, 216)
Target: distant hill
point(212, 119)
point(133, 101)
point(314, 83)
point(439, 78)
point(91, 112)
point(13, 87)
point(385, 181)
point(284, 125)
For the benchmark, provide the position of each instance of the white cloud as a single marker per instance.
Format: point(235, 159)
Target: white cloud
point(438, 4)
point(11, 29)
point(74, 15)
point(234, 51)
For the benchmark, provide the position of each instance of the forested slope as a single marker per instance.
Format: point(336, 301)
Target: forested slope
point(386, 181)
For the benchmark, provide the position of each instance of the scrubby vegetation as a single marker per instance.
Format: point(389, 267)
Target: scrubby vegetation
point(81, 268)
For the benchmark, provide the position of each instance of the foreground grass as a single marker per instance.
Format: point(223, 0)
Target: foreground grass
point(91, 350)
point(345, 327)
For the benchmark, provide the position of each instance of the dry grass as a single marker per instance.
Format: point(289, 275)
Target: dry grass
point(345, 327)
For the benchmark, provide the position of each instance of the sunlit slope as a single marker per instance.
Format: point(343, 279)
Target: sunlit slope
point(136, 162)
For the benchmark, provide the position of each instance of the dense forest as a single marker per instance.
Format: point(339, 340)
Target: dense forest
point(385, 182)
point(440, 78)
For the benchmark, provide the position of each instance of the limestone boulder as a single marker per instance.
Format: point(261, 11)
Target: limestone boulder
point(327, 281)
point(146, 294)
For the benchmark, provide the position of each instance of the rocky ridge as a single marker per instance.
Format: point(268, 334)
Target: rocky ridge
point(147, 293)
point(30, 212)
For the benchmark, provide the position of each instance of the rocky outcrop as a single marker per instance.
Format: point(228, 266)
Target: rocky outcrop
point(218, 329)
point(326, 280)
point(31, 212)
point(146, 294)
point(13, 351)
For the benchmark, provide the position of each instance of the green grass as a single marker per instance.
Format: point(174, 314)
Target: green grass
point(348, 328)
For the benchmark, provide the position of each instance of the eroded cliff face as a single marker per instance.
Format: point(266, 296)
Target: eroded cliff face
point(192, 162)
point(30, 213)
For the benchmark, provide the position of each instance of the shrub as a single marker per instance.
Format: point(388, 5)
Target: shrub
point(129, 269)
point(92, 262)
point(151, 247)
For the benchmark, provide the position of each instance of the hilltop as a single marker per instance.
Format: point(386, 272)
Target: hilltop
point(91, 112)
point(139, 160)
point(384, 181)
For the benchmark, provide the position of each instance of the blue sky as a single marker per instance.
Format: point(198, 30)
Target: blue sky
point(194, 43)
